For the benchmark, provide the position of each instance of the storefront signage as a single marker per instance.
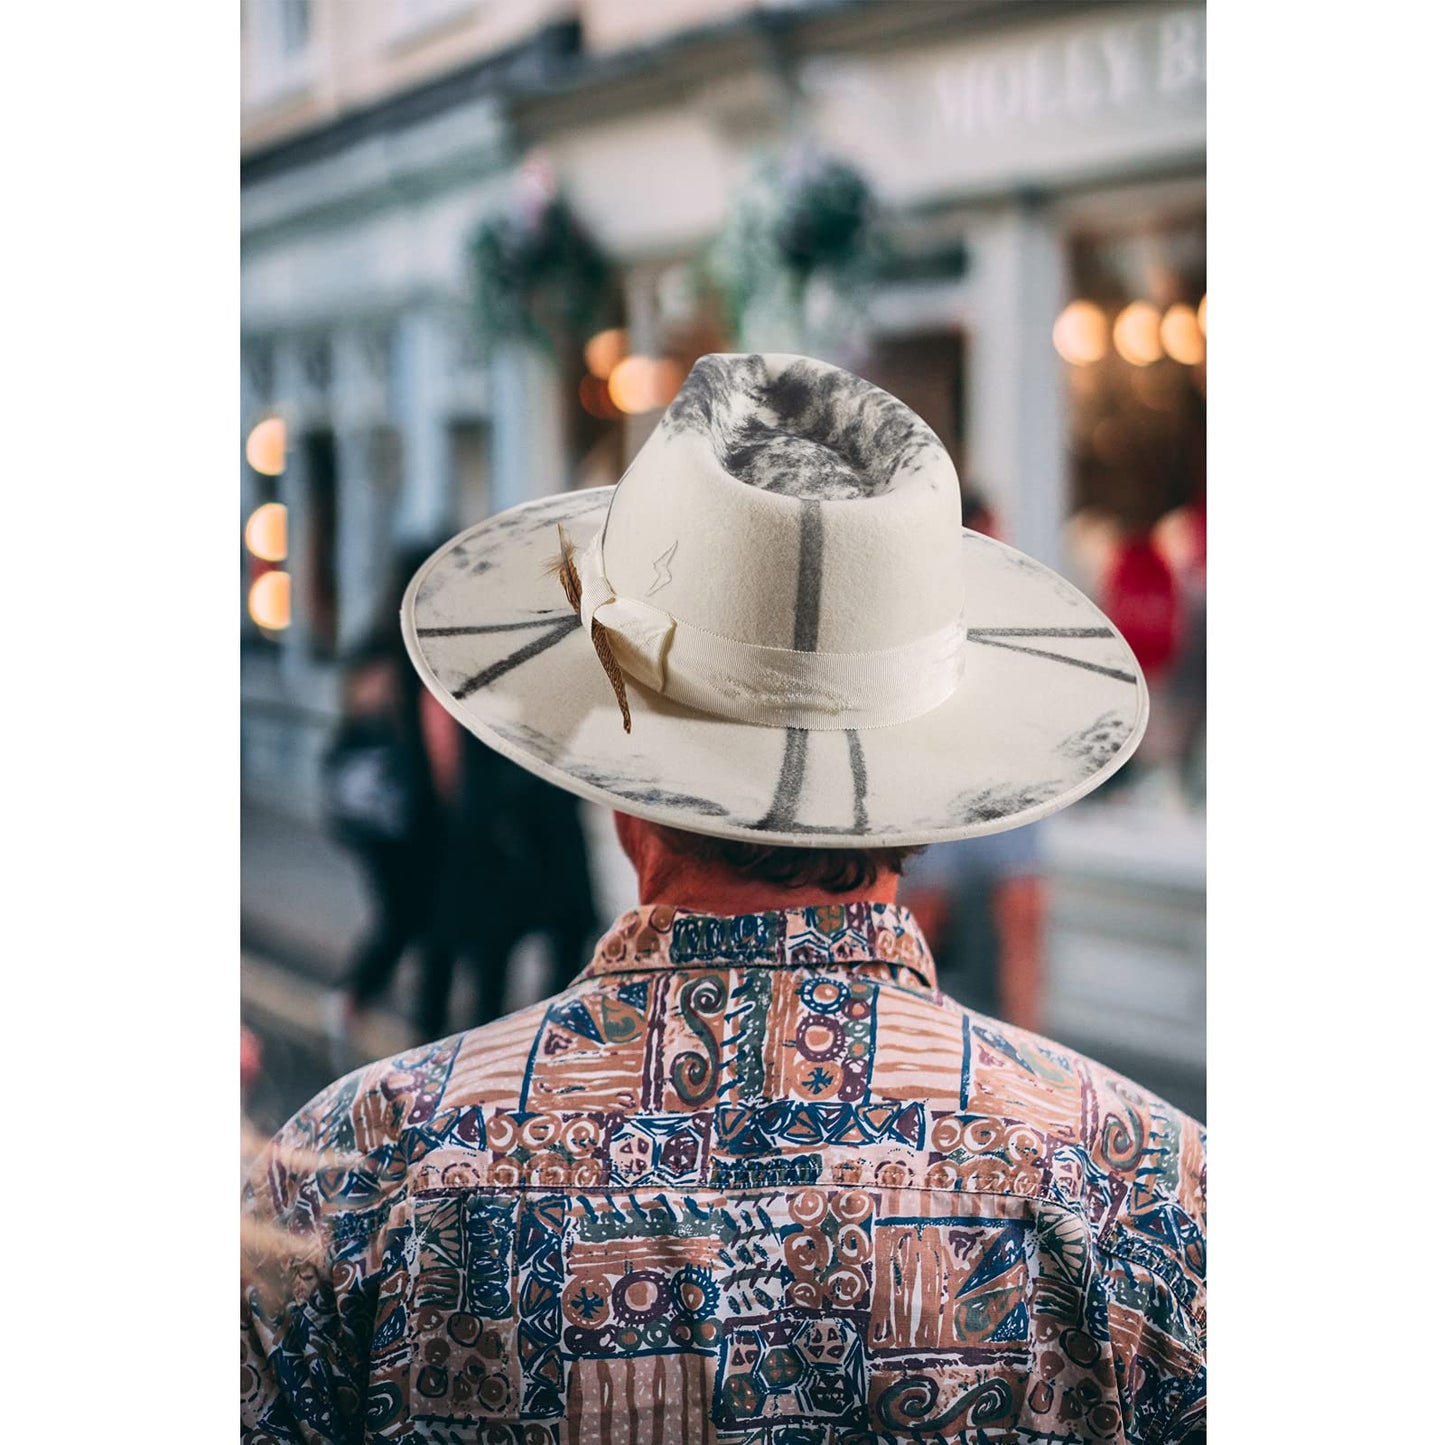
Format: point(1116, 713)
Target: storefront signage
point(1039, 103)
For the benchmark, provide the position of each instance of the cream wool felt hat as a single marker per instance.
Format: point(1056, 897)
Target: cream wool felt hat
point(810, 648)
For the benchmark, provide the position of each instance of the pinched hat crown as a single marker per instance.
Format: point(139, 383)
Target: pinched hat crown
point(785, 549)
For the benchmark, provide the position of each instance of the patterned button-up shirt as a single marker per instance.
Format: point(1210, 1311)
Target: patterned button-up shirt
point(751, 1179)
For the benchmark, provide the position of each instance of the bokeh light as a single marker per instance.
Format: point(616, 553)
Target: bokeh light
point(1179, 331)
point(1081, 334)
point(596, 401)
point(1136, 333)
point(266, 446)
point(1093, 538)
point(604, 351)
point(635, 384)
point(1177, 536)
point(269, 602)
point(1203, 328)
point(630, 384)
point(266, 532)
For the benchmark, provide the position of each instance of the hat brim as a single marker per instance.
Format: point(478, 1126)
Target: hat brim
point(1051, 703)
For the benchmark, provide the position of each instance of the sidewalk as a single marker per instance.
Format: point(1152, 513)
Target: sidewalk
point(302, 898)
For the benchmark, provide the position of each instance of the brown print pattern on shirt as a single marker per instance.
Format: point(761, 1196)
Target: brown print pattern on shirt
point(749, 1175)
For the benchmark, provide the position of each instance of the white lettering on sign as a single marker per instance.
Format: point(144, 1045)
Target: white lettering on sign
point(1109, 68)
point(1122, 61)
point(1181, 53)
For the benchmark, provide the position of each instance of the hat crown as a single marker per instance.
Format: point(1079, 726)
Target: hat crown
point(786, 503)
point(799, 427)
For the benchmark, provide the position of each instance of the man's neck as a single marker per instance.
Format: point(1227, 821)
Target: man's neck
point(663, 878)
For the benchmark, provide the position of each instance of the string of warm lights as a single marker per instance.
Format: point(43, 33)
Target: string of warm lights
point(1139, 333)
point(268, 600)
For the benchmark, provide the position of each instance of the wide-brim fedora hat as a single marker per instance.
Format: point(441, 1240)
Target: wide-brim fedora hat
point(775, 628)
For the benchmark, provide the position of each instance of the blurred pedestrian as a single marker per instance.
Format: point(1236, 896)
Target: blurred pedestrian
point(513, 864)
point(380, 802)
point(1182, 536)
point(982, 903)
point(464, 852)
point(754, 1176)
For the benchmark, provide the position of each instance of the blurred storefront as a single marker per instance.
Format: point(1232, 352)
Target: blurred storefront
point(1039, 174)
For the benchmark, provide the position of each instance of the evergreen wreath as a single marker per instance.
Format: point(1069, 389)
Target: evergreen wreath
point(805, 219)
point(538, 276)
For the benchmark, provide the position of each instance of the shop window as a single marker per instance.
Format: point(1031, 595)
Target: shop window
point(1135, 348)
point(1133, 343)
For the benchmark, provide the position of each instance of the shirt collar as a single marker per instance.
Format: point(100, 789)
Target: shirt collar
point(875, 939)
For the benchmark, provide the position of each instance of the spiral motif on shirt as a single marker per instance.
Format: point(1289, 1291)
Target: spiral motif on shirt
point(911, 1401)
point(501, 1132)
point(907, 1402)
point(694, 1074)
point(808, 1206)
point(948, 1133)
point(1123, 1139)
point(384, 1403)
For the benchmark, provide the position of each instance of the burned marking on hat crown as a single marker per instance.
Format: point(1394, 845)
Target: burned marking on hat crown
point(810, 578)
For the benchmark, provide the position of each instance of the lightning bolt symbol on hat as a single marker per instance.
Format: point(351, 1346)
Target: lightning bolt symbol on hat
point(660, 567)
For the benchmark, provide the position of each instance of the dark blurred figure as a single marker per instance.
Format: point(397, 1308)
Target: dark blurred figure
point(1184, 533)
point(465, 853)
point(515, 863)
point(381, 803)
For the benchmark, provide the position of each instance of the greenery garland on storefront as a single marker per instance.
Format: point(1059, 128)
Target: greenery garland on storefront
point(800, 246)
point(538, 276)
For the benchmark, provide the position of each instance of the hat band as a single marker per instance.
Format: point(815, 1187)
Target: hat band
point(771, 686)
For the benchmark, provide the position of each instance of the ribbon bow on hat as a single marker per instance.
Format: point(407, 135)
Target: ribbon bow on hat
point(726, 677)
point(636, 630)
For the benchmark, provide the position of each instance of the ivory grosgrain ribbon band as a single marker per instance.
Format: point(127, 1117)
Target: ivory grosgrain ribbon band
point(771, 686)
